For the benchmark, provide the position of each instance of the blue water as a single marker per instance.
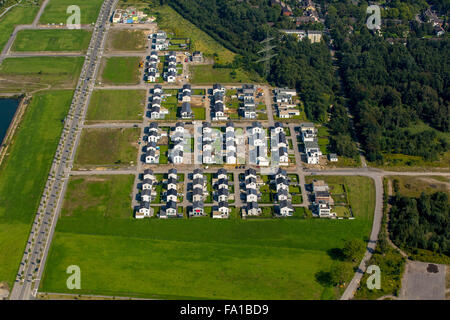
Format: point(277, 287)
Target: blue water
point(7, 109)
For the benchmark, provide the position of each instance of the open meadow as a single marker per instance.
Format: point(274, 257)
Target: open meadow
point(52, 40)
point(126, 40)
point(27, 74)
point(56, 11)
point(120, 70)
point(24, 171)
point(113, 105)
point(107, 147)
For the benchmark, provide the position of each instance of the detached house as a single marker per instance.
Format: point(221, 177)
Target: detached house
point(186, 111)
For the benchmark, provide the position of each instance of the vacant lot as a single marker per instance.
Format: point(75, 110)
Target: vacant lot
point(107, 147)
point(126, 40)
point(413, 186)
point(26, 74)
point(52, 40)
point(118, 255)
point(114, 105)
point(33, 147)
point(203, 74)
point(56, 11)
point(105, 196)
point(21, 14)
point(121, 70)
point(170, 21)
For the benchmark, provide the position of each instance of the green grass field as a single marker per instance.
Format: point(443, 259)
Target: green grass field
point(21, 14)
point(126, 40)
point(113, 105)
point(170, 21)
point(26, 74)
point(107, 147)
point(105, 196)
point(204, 74)
point(52, 40)
point(121, 70)
point(189, 258)
point(55, 12)
point(33, 147)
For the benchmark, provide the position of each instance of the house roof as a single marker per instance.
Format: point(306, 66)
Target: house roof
point(198, 204)
point(172, 180)
point(186, 107)
point(173, 170)
point(250, 171)
point(146, 192)
point(198, 171)
point(285, 204)
point(172, 192)
point(230, 123)
point(171, 205)
point(223, 191)
point(252, 205)
point(147, 181)
point(148, 171)
point(144, 205)
point(252, 191)
point(221, 171)
point(223, 204)
point(197, 191)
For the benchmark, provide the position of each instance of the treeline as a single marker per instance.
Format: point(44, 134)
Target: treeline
point(422, 222)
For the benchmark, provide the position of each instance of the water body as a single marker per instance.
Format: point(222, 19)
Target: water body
point(7, 109)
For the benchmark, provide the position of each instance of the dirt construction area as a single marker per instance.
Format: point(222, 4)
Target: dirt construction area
point(423, 281)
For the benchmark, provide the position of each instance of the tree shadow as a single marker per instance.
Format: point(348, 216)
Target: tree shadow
point(324, 278)
point(336, 254)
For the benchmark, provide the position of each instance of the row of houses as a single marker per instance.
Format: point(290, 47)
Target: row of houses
point(283, 98)
point(247, 95)
point(309, 137)
point(185, 97)
point(160, 41)
point(257, 141)
point(152, 152)
point(170, 209)
point(252, 193)
point(285, 208)
point(171, 67)
point(155, 108)
point(177, 137)
point(313, 35)
point(222, 192)
point(147, 192)
point(151, 73)
point(279, 145)
point(199, 192)
point(218, 107)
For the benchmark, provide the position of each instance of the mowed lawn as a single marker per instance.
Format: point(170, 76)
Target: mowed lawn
point(188, 258)
point(24, 171)
point(107, 147)
point(56, 11)
point(21, 14)
point(121, 70)
point(126, 40)
point(26, 74)
point(52, 40)
point(112, 105)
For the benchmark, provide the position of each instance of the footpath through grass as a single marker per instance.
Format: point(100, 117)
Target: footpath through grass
point(24, 171)
point(113, 105)
point(56, 11)
point(52, 40)
point(189, 258)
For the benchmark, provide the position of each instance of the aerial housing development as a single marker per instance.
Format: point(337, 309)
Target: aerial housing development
point(224, 150)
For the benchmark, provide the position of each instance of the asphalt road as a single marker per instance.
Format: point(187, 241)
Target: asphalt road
point(33, 261)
